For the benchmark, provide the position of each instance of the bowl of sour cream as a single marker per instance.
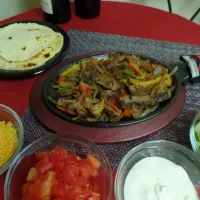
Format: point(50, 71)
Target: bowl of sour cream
point(158, 170)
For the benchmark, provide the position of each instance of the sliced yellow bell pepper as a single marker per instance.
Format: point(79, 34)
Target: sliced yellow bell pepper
point(142, 75)
point(100, 109)
point(168, 80)
point(70, 69)
point(81, 108)
point(95, 60)
point(141, 83)
point(154, 66)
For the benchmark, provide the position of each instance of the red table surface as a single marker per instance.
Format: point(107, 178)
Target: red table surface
point(116, 18)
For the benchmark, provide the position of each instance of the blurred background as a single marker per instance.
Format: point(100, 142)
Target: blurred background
point(185, 8)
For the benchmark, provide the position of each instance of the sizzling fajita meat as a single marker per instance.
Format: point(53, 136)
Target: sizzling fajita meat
point(107, 90)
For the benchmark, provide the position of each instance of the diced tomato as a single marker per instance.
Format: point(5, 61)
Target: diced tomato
point(73, 168)
point(60, 175)
point(44, 165)
point(58, 167)
point(58, 190)
point(72, 156)
point(34, 191)
point(86, 169)
point(32, 175)
point(55, 158)
point(68, 177)
point(25, 189)
point(95, 173)
point(48, 181)
point(95, 196)
point(80, 181)
point(77, 189)
point(85, 194)
point(95, 186)
point(93, 161)
point(60, 198)
point(40, 155)
point(60, 151)
point(71, 194)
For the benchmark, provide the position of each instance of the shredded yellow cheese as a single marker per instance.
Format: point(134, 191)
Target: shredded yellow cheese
point(8, 141)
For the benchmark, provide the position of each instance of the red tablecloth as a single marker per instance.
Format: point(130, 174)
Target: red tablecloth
point(116, 18)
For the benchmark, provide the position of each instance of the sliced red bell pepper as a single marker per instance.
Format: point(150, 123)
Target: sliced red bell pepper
point(122, 94)
point(61, 79)
point(123, 91)
point(61, 108)
point(115, 107)
point(134, 68)
point(150, 65)
point(127, 112)
point(65, 110)
point(85, 89)
point(151, 77)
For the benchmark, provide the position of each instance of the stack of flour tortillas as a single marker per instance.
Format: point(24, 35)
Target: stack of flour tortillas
point(25, 46)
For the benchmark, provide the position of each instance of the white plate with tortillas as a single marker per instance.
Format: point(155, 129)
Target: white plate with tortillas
point(30, 47)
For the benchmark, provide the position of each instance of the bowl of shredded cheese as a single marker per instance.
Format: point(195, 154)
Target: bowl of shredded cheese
point(11, 136)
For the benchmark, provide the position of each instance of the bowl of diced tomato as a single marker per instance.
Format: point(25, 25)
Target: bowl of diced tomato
point(59, 167)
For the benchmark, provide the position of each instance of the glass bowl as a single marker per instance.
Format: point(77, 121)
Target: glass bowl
point(19, 168)
point(7, 114)
point(193, 139)
point(172, 151)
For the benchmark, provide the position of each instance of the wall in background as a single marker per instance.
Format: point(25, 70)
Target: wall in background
point(10, 8)
point(185, 8)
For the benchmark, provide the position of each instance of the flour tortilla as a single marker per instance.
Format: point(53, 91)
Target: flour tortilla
point(22, 41)
point(37, 60)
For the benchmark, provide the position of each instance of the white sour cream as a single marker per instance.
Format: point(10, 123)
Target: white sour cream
point(156, 178)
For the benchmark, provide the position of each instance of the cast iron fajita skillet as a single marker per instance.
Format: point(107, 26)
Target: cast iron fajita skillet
point(16, 74)
point(180, 77)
